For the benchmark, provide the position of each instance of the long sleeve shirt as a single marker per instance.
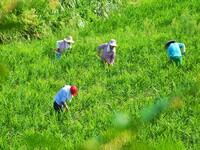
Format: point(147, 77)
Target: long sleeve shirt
point(174, 49)
point(62, 45)
point(108, 56)
point(63, 95)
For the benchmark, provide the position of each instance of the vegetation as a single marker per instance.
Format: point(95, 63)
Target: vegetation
point(38, 19)
point(142, 102)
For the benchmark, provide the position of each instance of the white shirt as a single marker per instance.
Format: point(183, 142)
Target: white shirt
point(63, 95)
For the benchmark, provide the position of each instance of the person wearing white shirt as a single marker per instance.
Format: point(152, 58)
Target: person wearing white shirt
point(65, 94)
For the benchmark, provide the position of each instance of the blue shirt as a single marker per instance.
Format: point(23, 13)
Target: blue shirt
point(174, 49)
point(63, 95)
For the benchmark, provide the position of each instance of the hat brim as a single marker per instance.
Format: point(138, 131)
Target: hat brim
point(113, 44)
point(169, 42)
point(69, 41)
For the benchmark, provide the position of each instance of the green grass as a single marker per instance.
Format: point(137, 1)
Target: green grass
point(130, 91)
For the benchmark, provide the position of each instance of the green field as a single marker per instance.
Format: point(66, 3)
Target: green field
point(142, 102)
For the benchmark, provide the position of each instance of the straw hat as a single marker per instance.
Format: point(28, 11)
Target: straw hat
point(169, 42)
point(69, 39)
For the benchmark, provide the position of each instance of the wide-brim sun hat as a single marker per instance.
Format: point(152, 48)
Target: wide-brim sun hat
point(69, 39)
point(112, 42)
point(73, 90)
point(169, 42)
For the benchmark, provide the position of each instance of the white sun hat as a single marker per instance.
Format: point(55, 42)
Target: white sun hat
point(69, 39)
point(112, 42)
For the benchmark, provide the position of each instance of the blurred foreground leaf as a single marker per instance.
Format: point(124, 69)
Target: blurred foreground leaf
point(43, 142)
point(154, 110)
point(7, 8)
point(121, 121)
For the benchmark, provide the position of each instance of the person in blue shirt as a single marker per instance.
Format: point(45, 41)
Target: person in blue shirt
point(175, 51)
point(65, 94)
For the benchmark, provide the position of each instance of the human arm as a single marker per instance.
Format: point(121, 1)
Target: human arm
point(181, 45)
point(58, 46)
point(99, 52)
point(111, 64)
point(102, 46)
point(58, 50)
point(64, 97)
point(68, 46)
point(65, 106)
point(169, 52)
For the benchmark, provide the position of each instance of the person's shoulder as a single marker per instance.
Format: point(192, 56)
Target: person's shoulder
point(59, 41)
point(104, 44)
point(172, 45)
point(66, 87)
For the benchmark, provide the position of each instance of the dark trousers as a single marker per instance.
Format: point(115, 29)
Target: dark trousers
point(57, 107)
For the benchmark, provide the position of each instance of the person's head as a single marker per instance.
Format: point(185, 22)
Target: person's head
point(69, 40)
point(73, 90)
point(112, 43)
point(168, 43)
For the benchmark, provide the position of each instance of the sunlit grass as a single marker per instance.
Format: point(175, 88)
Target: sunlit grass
point(142, 102)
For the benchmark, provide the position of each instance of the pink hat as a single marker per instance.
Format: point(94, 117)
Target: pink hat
point(112, 42)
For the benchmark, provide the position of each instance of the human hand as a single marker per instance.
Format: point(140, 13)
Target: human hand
point(58, 50)
point(110, 64)
point(67, 109)
point(183, 53)
point(99, 55)
point(104, 59)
